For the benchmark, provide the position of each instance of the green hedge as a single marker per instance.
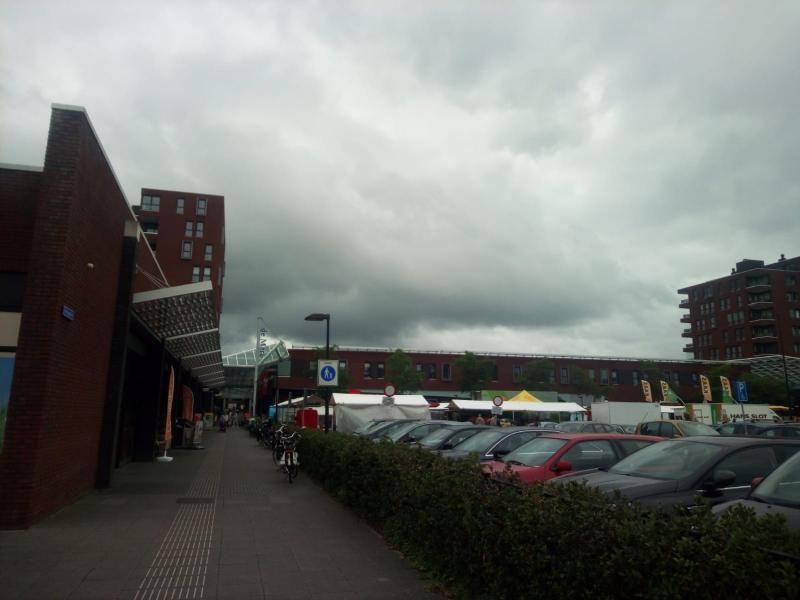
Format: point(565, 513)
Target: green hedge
point(485, 540)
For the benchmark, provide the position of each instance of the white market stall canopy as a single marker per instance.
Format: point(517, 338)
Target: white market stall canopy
point(539, 407)
point(185, 318)
point(351, 411)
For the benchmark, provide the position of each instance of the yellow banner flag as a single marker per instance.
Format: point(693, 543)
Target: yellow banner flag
point(705, 385)
point(664, 390)
point(648, 394)
point(727, 395)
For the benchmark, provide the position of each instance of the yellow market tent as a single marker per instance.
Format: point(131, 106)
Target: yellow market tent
point(524, 396)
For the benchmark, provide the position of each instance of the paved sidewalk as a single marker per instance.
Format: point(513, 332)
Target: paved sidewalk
point(215, 523)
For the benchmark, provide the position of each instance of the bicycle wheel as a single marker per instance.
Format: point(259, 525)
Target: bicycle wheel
point(277, 453)
point(289, 467)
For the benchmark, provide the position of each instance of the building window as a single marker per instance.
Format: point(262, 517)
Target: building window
point(796, 331)
point(195, 274)
point(186, 249)
point(590, 373)
point(564, 372)
point(381, 370)
point(206, 273)
point(188, 229)
point(516, 373)
point(418, 367)
point(614, 377)
point(695, 379)
point(179, 206)
point(447, 374)
point(603, 376)
point(676, 377)
point(712, 322)
point(201, 206)
point(367, 370)
point(635, 377)
point(797, 347)
point(494, 372)
point(200, 228)
point(209, 252)
point(342, 365)
point(791, 280)
point(151, 203)
point(794, 313)
point(791, 296)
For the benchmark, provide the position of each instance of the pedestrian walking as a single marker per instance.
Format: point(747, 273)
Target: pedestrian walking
point(479, 420)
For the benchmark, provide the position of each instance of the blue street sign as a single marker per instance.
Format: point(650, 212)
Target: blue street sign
point(741, 390)
point(67, 312)
point(328, 373)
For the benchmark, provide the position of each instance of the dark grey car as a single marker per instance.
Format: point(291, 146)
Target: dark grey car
point(675, 472)
point(493, 443)
point(778, 494)
point(449, 437)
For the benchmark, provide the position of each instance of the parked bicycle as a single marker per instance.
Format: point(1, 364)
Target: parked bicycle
point(290, 461)
point(274, 443)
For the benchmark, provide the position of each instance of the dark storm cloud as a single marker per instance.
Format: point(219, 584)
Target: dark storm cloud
point(520, 178)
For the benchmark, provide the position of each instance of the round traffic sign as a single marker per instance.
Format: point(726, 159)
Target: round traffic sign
point(328, 373)
point(389, 390)
point(498, 400)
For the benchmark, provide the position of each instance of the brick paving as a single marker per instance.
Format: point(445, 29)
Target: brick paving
point(215, 523)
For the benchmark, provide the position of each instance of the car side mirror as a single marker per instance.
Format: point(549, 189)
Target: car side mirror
point(756, 481)
point(720, 479)
point(562, 466)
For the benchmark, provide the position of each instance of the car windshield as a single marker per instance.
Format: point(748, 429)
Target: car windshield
point(535, 453)
point(437, 437)
point(671, 460)
point(571, 426)
point(366, 427)
point(481, 441)
point(691, 428)
point(396, 433)
point(782, 486)
point(390, 429)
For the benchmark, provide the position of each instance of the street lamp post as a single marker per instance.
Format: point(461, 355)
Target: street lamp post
point(327, 318)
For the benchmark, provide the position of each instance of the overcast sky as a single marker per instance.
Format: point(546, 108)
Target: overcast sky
point(500, 176)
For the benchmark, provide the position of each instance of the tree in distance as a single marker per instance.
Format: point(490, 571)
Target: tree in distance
point(401, 373)
point(475, 372)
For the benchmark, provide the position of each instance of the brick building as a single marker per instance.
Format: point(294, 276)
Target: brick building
point(91, 333)
point(754, 311)
point(618, 379)
point(186, 231)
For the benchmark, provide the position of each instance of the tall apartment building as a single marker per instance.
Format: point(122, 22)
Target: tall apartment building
point(753, 311)
point(186, 230)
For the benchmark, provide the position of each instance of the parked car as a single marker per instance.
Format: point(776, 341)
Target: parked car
point(371, 425)
point(494, 442)
point(629, 428)
point(675, 472)
point(674, 429)
point(558, 453)
point(766, 428)
point(448, 437)
point(388, 427)
point(412, 432)
point(778, 493)
point(589, 427)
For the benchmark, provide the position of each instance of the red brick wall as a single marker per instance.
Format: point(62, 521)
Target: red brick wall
point(18, 195)
point(623, 391)
point(59, 386)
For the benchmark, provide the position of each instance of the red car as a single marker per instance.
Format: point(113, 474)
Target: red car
point(559, 453)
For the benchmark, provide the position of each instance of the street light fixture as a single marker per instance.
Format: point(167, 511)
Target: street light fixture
point(327, 318)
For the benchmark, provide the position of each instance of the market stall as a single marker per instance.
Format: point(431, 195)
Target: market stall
point(351, 411)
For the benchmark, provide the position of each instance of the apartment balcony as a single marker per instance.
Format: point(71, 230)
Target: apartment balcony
point(758, 286)
point(764, 337)
point(760, 303)
point(686, 319)
point(688, 348)
point(684, 303)
point(687, 332)
point(762, 319)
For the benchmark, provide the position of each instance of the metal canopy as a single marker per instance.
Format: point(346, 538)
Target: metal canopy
point(240, 368)
point(185, 318)
point(771, 365)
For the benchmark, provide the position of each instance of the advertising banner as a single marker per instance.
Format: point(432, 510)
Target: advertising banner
point(187, 396)
point(727, 395)
point(6, 376)
point(648, 393)
point(705, 385)
point(170, 394)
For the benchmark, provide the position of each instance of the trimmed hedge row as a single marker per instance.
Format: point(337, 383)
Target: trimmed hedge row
point(485, 540)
